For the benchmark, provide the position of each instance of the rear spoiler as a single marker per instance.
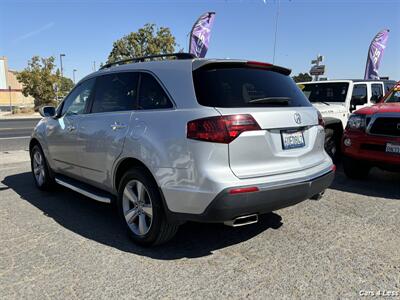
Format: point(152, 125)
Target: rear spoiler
point(210, 64)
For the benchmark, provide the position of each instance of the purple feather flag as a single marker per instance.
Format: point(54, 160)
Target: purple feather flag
point(375, 54)
point(200, 34)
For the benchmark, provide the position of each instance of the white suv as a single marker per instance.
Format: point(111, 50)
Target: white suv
point(337, 99)
point(174, 138)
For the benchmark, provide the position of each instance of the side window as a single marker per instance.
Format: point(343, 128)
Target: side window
point(359, 96)
point(360, 93)
point(377, 92)
point(115, 92)
point(388, 86)
point(77, 100)
point(151, 94)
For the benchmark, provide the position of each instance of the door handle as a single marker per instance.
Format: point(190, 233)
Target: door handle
point(71, 127)
point(117, 125)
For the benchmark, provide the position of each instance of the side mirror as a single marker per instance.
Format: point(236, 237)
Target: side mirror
point(47, 111)
point(358, 100)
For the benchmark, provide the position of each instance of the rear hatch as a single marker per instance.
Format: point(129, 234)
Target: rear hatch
point(288, 137)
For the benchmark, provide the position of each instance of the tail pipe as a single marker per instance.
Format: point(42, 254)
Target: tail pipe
point(243, 220)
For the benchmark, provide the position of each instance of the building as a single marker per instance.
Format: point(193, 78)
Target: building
point(11, 89)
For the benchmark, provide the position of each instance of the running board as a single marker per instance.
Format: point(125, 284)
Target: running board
point(87, 191)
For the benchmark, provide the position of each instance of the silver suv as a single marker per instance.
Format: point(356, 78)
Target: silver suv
point(174, 138)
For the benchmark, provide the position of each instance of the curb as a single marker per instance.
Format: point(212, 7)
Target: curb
point(3, 118)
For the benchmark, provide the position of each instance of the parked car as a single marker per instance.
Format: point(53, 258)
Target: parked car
point(182, 139)
point(372, 137)
point(337, 99)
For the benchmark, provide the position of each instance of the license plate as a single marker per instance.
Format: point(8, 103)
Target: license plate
point(291, 140)
point(393, 148)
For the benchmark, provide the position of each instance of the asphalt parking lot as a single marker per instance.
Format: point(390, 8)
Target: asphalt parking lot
point(63, 245)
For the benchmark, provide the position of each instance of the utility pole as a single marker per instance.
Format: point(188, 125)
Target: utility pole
point(73, 74)
point(94, 66)
point(61, 66)
point(276, 29)
point(55, 87)
point(9, 92)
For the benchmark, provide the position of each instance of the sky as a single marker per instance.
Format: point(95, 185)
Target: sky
point(84, 30)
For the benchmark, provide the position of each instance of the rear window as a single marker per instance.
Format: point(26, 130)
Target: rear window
point(245, 87)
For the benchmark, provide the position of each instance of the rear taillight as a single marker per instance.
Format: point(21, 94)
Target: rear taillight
point(221, 129)
point(321, 121)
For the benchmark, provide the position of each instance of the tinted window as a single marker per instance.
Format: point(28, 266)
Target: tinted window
point(388, 86)
point(377, 92)
point(115, 92)
point(151, 95)
point(223, 86)
point(325, 92)
point(76, 101)
point(360, 92)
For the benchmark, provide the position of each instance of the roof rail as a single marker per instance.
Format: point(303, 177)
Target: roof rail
point(180, 55)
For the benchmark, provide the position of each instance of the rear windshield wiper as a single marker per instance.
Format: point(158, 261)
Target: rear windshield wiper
point(271, 100)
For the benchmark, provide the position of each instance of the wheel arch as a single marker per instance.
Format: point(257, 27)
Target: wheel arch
point(33, 142)
point(335, 124)
point(129, 162)
point(124, 165)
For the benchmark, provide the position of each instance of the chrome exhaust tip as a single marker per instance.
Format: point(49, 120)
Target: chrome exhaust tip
point(318, 196)
point(242, 221)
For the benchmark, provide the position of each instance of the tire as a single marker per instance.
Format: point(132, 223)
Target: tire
point(355, 169)
point(332, 145)
point(42, 174)
point(143, 216)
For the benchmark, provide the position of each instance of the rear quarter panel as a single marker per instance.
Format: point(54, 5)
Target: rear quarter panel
point(157, 138)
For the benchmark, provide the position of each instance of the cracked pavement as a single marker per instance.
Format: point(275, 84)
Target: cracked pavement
point(63, 245)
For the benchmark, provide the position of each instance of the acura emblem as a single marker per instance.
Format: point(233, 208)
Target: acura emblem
point(297, 118)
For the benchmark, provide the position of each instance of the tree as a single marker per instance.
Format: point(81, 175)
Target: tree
point(148, 40)
point(302, 77)
point(39, 80)
point(64, 84)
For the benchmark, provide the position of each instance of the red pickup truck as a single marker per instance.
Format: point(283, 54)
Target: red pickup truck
point(372, 137)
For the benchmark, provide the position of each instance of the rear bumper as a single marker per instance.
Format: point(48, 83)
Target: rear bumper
point(226, 206)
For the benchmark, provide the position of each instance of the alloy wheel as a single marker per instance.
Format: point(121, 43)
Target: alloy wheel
point(137, 207)
point(39, 168)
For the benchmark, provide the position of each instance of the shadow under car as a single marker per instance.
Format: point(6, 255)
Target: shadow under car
point(99, 222)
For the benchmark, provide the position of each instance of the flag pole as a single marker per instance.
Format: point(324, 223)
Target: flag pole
point(188, 41)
